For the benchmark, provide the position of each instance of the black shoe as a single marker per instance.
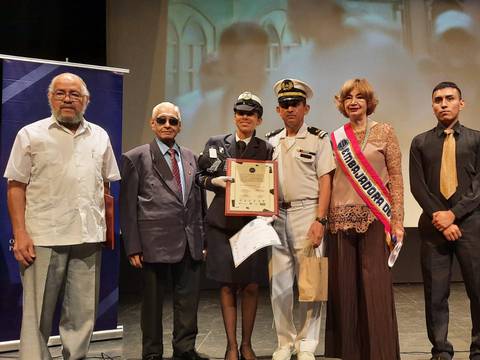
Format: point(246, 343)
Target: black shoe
point(189, 355)
point(242, 356)
point(152, 357)
point(227, 351)
point(438, 357)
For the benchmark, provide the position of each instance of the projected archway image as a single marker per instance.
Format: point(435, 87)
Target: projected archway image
point(398, 45)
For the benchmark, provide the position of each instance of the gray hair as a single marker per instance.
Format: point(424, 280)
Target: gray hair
point(166, 103)
point(85, 91)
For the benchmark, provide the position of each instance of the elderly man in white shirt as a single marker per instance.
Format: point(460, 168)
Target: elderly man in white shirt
point(58, 171)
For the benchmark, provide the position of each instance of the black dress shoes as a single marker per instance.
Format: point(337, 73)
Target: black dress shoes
point(438, 357)
point(152, 357)
point(243, 357)
point(189, 355)
point(230, 350)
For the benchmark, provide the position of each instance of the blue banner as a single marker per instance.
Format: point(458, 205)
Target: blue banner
point(24, 100)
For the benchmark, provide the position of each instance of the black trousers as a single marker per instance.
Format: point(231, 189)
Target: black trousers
point(436, 258)
point(185, 276)
point(361, 319)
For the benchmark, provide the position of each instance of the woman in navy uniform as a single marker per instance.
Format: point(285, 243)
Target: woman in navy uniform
point(243, 280)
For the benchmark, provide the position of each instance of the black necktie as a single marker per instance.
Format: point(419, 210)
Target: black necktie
point(241, 145)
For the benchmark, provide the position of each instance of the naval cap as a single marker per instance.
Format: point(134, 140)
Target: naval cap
point(248, 102)
point(291, 89)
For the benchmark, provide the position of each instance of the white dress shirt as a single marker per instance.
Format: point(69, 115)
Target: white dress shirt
point(64, 173)
point(246, 140)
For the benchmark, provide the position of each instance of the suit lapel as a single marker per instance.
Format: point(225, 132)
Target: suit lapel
point(230, 148)
point(188, 171)
point(162, 169)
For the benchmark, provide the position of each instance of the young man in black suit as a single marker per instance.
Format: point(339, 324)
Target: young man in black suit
point(445, 180)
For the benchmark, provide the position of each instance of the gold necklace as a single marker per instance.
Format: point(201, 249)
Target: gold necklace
point(367, 133)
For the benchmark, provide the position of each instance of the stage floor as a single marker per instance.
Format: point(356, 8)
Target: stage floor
point(211, 339)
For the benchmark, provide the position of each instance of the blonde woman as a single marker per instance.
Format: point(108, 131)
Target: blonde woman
point(365, 219)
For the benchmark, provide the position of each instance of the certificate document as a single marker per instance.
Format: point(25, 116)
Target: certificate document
point(257, 234)
point(254, 189)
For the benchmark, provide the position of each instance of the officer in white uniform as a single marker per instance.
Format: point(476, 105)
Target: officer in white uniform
point(306, 165)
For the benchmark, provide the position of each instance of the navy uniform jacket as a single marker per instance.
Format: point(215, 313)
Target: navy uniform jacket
point(225, 147)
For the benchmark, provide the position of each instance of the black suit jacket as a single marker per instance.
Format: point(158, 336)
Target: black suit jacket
point(153, 218)
point(224, 145)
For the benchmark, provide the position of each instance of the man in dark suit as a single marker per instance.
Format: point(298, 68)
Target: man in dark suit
point(445, 180)
point(161, 217)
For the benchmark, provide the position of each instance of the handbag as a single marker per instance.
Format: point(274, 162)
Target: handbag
point(312, 276)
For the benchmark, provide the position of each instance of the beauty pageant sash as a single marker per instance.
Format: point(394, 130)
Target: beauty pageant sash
point(363, 177)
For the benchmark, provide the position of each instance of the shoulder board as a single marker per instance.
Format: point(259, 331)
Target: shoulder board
point(320, 133)
point(273, 133)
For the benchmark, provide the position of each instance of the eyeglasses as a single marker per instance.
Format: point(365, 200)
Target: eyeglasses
point(73, 95)
point(162, 120)
point(285, 104)
point(244, 112)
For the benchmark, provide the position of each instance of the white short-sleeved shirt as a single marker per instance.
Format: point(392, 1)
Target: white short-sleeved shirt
point(64, 173)
point(302, 160)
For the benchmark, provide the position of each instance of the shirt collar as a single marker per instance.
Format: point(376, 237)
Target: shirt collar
point(302, 132)
point(246, 140)
point(164, 147)
point(84, 125)
point(439, 129)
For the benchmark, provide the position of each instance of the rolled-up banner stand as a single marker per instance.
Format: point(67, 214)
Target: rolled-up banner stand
point(24, 100)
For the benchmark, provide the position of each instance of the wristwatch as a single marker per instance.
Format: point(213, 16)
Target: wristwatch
point(322, 220)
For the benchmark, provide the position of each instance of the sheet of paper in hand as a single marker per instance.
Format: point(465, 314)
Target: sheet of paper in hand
point(257, 234)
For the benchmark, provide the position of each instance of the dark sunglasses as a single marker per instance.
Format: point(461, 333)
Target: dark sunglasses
point(244, 112)
point(287, 103)
point(162, 120)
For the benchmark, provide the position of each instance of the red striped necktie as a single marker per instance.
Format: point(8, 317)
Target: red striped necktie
point(176, 171)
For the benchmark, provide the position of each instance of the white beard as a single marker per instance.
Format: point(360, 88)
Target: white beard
point(77, 119)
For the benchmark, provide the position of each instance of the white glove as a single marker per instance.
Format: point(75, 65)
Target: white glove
point(221, 181)
point(268, 219)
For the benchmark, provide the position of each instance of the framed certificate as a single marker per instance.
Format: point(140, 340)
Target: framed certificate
point(254, 190)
